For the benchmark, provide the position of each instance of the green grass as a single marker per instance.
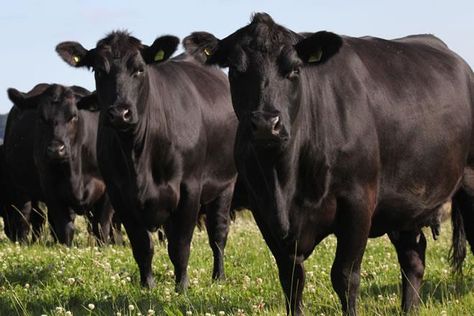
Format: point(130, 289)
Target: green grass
point(54, 280)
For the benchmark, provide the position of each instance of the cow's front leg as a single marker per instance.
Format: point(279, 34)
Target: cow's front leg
point(217, 226)
point(179, 231)
point(61, 219)
point(37, 221)
point(410, 248)
point(292, 279)
point(102, 220)
point(17, 220)
point(352, 230)
point(142, 248)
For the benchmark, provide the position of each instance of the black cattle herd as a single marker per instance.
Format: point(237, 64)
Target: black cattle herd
point(315, 133)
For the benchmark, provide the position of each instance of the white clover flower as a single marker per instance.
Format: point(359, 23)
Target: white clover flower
point(71, 280)
point(131, 307)
point(151, 312)
point(91, 306)
point(68, 313)
point(221, 313)
point(189, 313)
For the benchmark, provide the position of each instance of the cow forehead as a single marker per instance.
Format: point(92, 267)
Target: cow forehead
point(118, 45)
point(57, 92)
point(261, 37)
point(57, 98)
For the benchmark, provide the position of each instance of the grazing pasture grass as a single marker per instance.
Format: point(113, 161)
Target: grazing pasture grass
point(86, 280)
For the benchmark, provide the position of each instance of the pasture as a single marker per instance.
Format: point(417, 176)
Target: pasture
point(48, 279)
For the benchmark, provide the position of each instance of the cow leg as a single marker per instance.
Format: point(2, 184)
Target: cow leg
point(463, 225)
point(410, 248)
point(62, 223)
point(161, 236)
point(217, 226)
point(37, 221)
point(179, 231)
point(292, 279)
point(142, 247)
point(17, 220)
point(116, 231)
point(290, 266)
point(352, 231)
point(102, 219)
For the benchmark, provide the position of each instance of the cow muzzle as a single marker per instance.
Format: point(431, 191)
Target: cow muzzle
point(57, 150)
point(266, 127)
point(120, 116)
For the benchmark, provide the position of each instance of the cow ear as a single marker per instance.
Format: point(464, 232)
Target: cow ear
point(80, 91)
point(21, 100)
point(89, 102)
point(203, 47)
point(74, 54)
point(319, 47)
point(161, 49)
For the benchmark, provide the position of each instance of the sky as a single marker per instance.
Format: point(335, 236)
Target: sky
point(30, 30)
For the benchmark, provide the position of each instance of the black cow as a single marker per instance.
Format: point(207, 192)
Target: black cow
point(356, 137)
point(165, 144)
point(60, 140)
point(22, 187)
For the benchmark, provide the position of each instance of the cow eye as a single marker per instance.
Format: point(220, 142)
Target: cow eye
point(137, 73)
point(293, 74)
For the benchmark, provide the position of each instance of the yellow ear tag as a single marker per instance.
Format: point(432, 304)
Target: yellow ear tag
point(160, 55)
point(76, 59)
point(315, 57)
point(207, 52)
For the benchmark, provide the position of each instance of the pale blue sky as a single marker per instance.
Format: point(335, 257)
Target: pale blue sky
point(31, 29)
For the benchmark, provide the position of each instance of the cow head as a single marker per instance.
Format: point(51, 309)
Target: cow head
point(120, 63)
point(266, 69)
point(58, 117)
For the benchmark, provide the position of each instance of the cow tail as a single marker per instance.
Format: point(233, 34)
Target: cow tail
point(457, 253)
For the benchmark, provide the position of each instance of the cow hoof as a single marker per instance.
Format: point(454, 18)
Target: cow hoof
point(149, 283)
point(218, 276)
point(182, 286)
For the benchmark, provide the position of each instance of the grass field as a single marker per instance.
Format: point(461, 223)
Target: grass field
point(86, 280)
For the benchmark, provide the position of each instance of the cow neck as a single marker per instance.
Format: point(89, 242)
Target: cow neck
point(299, 171)
point(152, 112)
point(316, 127)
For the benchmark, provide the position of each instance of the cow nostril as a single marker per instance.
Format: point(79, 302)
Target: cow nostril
point(126, 115)
point(56, 150)
point(276, 124)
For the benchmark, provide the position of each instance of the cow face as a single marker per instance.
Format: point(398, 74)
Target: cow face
point(120, 63)
point(58, 118)
point(266, 63)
